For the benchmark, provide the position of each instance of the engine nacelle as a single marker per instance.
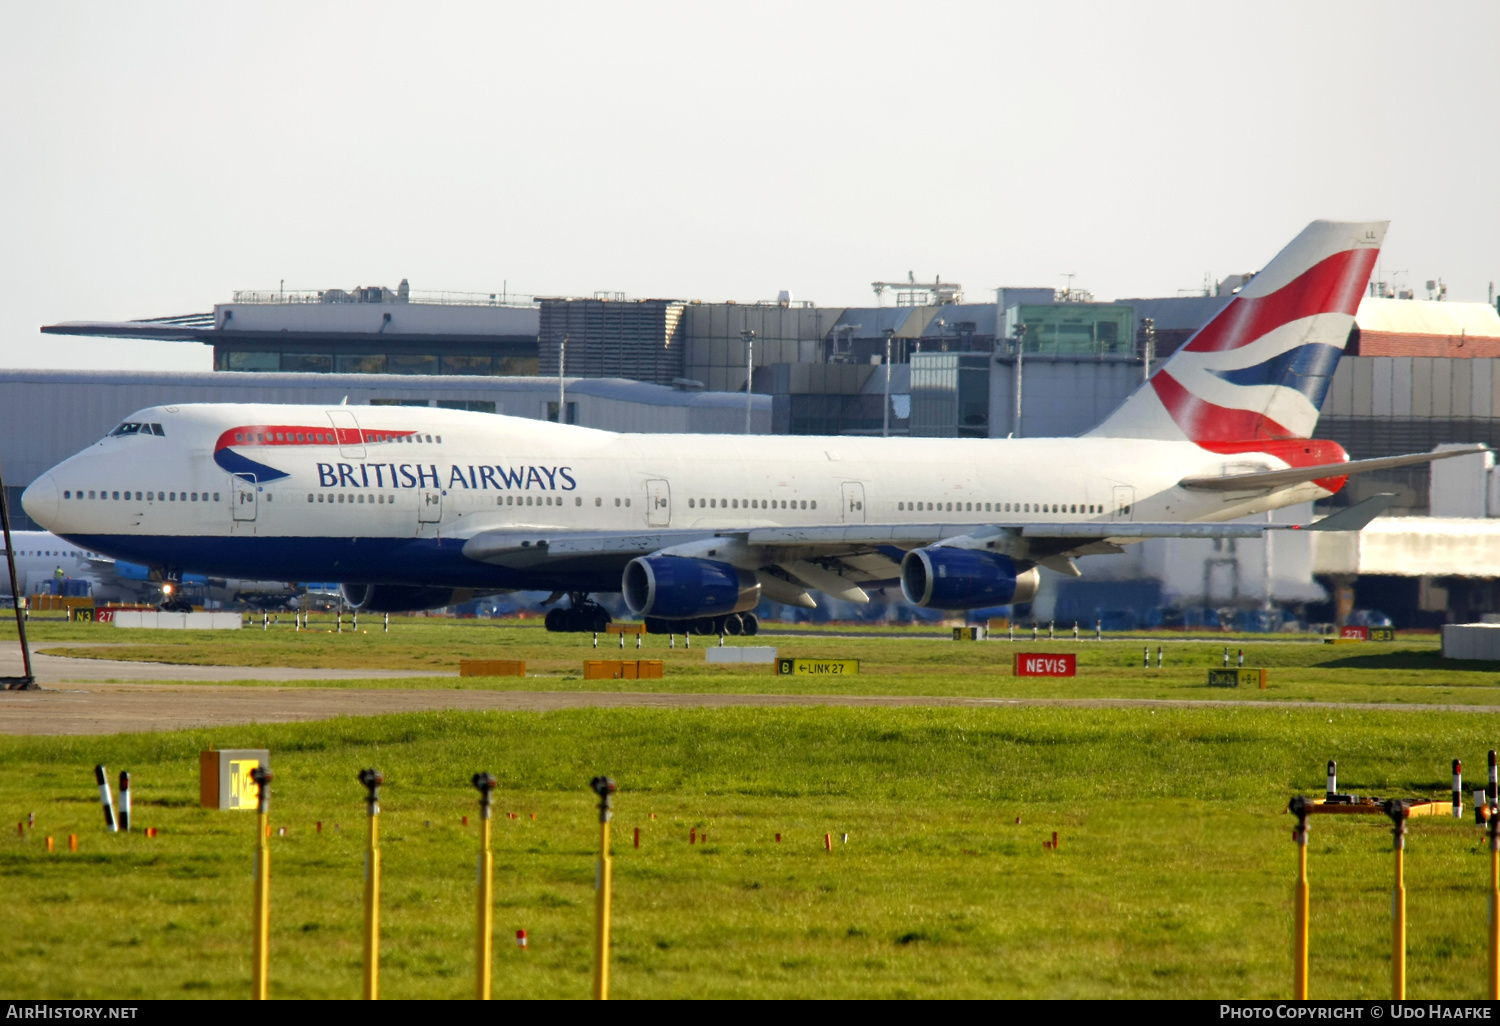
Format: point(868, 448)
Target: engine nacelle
point(679, 588)
point(401, 598)
point(950, 578)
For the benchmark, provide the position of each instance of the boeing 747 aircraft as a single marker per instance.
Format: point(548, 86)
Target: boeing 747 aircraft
point(695, 530)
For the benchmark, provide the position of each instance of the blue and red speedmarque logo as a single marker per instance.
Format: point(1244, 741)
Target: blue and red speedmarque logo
point(270, 436)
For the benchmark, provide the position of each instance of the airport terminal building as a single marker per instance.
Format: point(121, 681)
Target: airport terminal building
point(1031, 362)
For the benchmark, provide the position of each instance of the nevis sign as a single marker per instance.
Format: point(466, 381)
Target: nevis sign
point(1052, 664)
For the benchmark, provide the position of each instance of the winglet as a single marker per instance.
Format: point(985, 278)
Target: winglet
point(1356, 517)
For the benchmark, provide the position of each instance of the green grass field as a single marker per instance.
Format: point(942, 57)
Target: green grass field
point(1172, 878)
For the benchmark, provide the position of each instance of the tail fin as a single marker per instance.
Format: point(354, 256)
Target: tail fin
point(1261, 367)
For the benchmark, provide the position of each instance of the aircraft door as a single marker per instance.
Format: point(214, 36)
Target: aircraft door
point(1124, 503)
point(430, 506)
point(351, 439)
point(658, 504)
point(854, 502)
point(243, 493)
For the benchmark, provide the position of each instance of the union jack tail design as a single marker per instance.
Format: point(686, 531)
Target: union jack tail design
point(1260, 369)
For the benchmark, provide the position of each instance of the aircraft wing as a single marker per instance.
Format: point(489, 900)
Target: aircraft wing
point(837, 559)
point(1265, 480)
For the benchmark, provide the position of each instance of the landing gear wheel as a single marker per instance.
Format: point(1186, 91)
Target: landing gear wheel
point(733, 625)
point(557, 621)
point(598, 619)
point(752, 624)
point(704, 625)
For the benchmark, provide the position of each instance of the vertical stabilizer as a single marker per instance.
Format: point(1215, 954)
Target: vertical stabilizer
point(1261, 367)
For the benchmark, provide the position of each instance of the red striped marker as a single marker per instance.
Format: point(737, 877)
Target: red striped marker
point(521, 939)
point(637, 837)
point(1494, 783)
point(1458, 789)
point(828, 842)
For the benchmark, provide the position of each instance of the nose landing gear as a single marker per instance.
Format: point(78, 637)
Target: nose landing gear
point(172, 600)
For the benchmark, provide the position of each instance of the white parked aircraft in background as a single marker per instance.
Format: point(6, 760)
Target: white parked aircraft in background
point(40, 554)
point(438, 505)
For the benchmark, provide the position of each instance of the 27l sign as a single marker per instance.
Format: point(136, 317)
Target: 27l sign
point(1051, 665)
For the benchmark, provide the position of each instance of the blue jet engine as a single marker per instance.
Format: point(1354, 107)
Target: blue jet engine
point(950, 578)
point(679, 588)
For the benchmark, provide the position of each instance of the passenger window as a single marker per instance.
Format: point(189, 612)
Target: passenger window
point(216, 496)
point(578, 500)
point(341, 497)
point(598, 500)
point(691, 503)
point(309, 496)
point(627, 502)
point(320, 496)
point(617, 502)
point(815, 504)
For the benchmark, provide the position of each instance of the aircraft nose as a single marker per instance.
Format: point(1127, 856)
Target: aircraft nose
point(40, 500)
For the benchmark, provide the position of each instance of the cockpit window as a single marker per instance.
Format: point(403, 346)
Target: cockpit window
point(134, 428)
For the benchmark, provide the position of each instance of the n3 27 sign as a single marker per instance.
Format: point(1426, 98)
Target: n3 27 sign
point(1052, 664)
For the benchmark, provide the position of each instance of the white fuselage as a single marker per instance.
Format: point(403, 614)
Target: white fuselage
point(342, 486)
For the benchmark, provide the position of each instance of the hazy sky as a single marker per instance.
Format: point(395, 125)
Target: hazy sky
point(159, 156)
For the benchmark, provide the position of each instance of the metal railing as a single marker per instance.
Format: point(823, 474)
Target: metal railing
point(257, 297)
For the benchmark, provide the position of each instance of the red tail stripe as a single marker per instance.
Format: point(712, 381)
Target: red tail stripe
point(1202, 421)
point(1332, 286)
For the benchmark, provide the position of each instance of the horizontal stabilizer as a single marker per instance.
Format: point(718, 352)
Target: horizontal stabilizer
point(1356, 517)
point(1262, 480)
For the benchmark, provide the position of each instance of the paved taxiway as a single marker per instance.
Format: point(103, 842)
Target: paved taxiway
point(103, 696)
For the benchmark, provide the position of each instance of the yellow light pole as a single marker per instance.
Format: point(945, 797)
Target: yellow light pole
point(261, 945)
point(484, 949)
point(1492, 796)
point(1301, 808)
point(604, 787)
point(372, 780)
point(1396, 809)
point(1494, 832)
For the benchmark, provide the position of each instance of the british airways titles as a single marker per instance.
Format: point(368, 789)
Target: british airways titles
point(416, 475)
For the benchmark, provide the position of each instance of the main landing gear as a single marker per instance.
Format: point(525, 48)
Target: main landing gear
point(581, 616)
point(734, 625)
